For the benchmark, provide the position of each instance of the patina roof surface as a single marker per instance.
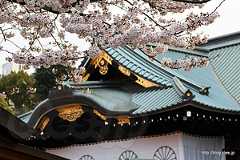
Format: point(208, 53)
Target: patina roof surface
point(221, 78)
point(150, 100)
point(218, 97)
point(226, 66)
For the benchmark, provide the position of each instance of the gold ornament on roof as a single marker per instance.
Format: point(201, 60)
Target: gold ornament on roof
point(103, 70)
point(86, 76)
point(145, 83)
point(124, 70)
point(70, 112)
point(102, 60)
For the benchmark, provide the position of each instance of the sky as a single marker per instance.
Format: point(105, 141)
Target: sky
point(227, 23)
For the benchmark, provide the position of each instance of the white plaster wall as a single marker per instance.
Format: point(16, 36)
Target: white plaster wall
point(143, 147)
point(186, 147)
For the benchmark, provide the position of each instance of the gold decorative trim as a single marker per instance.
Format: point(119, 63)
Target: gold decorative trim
point(100, 115)
point(43, 123)
point(123, 120)
point(86, 76)
point(145, 83)
point(70, 112)
point(102, 60)
point(103, 70)
point(124, 70)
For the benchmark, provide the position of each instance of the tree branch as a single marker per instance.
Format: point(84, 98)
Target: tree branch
point(49, 9)
point(4, 37)
point(219, 5)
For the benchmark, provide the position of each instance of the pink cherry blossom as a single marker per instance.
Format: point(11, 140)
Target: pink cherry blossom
point(139, 24)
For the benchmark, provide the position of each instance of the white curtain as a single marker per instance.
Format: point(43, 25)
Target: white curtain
point(203, 148)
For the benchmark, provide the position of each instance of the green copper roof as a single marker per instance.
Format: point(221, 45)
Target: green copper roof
point(218, 97)
point(150, 100)
point(226, 65)
point(112, 99)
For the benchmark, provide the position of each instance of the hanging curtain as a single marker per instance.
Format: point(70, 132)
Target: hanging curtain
point(203, 148)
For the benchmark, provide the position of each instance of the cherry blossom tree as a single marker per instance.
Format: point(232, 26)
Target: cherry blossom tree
point(141, 23)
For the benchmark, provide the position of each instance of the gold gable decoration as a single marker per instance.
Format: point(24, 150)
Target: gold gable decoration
point(102, 60)
point(70, 112)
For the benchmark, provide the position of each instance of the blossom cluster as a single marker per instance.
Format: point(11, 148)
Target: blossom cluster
point(142, 23)
point(186, 64)
point(66, 57)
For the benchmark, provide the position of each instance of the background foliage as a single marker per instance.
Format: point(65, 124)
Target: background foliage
point(19, 89)
point(4, 105)
point(49, 78)
point(23, 92)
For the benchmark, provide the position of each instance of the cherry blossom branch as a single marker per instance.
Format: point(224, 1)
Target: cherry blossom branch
point(13, 43)
point(219, 5)
point(193, 1)
point(3, 34)
point(39, 42)
point(4, 50)
point(47, 8)
point(56, 41)
point(149, 17)
point(65, 4)
point(101, 28)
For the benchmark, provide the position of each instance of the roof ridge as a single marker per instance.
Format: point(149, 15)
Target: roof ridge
point(24, 114)
point(222, 41)
point(224, 36)
point(227, 44)
point(182, 90)
point(198, 51)
point(93, 84)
